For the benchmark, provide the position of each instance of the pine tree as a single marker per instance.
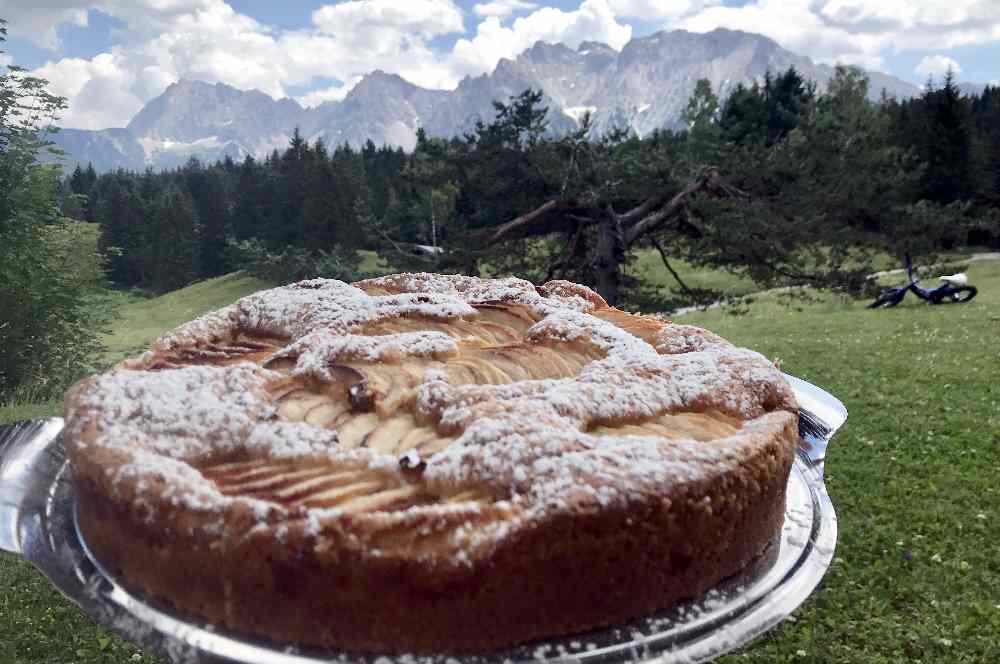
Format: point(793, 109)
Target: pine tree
point(249, 215)
point(986, 121)
point(701, 117)
point(172, 241)
point(946, 144)
point(321, 228)
point(78, 181)
point(743, 118)
point(788, 98)
point(122, 216)
point(207, 188)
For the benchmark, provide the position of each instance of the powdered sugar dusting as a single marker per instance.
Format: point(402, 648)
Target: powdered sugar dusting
point(316, 351)
point(527, 442)
point(182, 413)
point(297, 309)
point(211, 326)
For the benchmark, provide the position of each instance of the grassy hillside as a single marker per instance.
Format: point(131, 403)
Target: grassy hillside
point(143, 319)
point(912, 476)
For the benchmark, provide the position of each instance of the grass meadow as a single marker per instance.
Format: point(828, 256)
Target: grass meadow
point(913, 477)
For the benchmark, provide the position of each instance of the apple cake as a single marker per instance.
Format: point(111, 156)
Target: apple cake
point(429, 463)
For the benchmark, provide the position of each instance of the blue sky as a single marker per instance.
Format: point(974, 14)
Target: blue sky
point(111, 56)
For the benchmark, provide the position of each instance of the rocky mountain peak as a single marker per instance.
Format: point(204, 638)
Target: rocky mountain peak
point(547, 52)
point(378, 83)
point(643, 87)
point(587, 47)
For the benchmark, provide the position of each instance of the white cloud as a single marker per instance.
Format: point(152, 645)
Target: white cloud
point(592, 21)
point(936, 66)
point(99, 90)
point(37, 21)
point(332, 93)
point(503, 8)
point(858, 31)
point(425, 18)
point(796, 26)
point(651, 10)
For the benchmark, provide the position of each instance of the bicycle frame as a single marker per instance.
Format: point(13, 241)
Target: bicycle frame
point(937, 295)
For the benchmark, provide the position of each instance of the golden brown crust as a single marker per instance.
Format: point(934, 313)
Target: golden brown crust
point(657, 458)
point(575, 572)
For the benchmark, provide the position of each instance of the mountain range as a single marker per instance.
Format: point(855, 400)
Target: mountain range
point(643, 87)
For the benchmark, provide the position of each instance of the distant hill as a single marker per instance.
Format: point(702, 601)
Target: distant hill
point(643, 87)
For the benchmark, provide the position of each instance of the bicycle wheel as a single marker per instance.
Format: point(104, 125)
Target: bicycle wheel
point(890, 298)
point(958, 295)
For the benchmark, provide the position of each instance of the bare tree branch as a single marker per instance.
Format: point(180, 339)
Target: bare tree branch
point(550, 217)
point(403, 252)
point(670, 269)
point(710, 182)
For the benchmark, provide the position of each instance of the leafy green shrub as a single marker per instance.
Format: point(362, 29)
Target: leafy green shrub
point(50, 316)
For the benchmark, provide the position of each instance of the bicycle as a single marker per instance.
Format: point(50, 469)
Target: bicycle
point(954, 289)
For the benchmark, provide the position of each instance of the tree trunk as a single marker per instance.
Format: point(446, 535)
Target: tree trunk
point(609, 256)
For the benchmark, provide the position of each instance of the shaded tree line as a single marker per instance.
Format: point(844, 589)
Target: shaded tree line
point(160, 231)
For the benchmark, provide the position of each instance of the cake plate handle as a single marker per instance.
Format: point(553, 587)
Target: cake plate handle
point(820, 416)
point(23, 480)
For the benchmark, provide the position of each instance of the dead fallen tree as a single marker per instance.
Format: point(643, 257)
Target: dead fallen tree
point(616, 232)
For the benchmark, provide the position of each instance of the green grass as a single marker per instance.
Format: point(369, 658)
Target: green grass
point(649, 267)
point(143, 319)
point(913, 474)
point(372, 263)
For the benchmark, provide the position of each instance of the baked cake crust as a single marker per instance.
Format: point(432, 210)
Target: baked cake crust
point(427, 463)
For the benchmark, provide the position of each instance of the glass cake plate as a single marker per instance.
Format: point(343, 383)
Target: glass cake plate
point(37, 522)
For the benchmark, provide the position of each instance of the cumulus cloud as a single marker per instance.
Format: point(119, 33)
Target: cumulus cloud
point(936, 66)
point(502, 8)
point(592, 21)
point(795, 24)
point(651, 10)
point(99, 90)
point(858, 31)
point(37, 21)
point(426, 18)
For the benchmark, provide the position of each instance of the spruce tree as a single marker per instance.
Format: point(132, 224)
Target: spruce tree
point(207, 188)
point(946, 145)
point(249, 214)
point(172, 241)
